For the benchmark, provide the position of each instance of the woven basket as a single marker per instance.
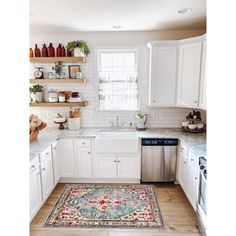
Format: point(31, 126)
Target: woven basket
point(34, 135)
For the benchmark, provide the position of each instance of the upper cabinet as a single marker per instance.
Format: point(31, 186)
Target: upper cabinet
point(177, 73)
point(162, 73)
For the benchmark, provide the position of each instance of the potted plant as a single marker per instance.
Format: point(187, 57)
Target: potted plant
point(79, 47)
point(36, 93)
point(140, 119)
point(58, 70)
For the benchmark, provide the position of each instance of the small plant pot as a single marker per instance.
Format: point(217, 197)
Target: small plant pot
point(140, 123)
point(36, 97)
point(73, 123)
point(77, 52)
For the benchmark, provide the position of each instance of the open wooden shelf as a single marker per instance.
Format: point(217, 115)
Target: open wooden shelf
point(60, 104)
point(58, 81)
point(56, 59)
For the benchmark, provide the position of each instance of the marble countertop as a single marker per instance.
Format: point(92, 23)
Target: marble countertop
point(195, 142)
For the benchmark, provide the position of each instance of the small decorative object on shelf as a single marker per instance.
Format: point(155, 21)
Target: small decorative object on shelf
point(31, 52)
point(74, 119)
point(38, 74)
point(63, 51)
point(140, 121)
point(79, 48)
point(52, 96)
point(51, 50)
point(59, 50)
point(74, 71)
point(58, 70)
point(44, 51)
point(37, 52)
point(50, 75)
point(36, 93)
point(35, 125)
point(193, 123)
point(60, 120)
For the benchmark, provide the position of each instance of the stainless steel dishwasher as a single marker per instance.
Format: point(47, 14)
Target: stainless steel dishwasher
point(159, 157)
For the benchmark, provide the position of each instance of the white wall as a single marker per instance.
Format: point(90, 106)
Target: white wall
point(90, 117)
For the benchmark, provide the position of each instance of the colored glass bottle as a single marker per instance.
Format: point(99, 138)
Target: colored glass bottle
point(63, 52)
point(51, 50)
point(68, 52)
point(37, 52)
point(59, 50)
point(44, 51)
point(31, 52)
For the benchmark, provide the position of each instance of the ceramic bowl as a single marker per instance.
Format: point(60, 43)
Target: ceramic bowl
point(200, 125)
point(192, 126)
point(185, 123)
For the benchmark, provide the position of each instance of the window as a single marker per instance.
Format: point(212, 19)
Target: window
point(117, 79)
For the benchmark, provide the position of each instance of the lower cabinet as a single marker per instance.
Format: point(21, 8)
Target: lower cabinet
point(47, 176)
point(56, 163)
point(120, 167)
point(188, 175)
point(36, 200)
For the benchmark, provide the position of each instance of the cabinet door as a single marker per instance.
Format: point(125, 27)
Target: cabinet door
point(56, 163)
point(162, 84)
point(47, 177)
point(202, 92)
point(105, 166)
point(182, 172)
point(189, 74)
point(129, 167)
point(83, 162)
point(193, 179)
point(35, 191)
point(66, 156)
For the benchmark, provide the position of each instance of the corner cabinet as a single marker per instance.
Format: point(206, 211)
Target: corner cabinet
point(162, 73)
point(177, 73)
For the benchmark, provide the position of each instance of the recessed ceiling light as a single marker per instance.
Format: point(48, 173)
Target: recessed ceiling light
point(116, 26)
point(184, 10)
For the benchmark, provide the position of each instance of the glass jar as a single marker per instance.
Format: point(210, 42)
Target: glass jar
point(62, 97)
point(52, 96)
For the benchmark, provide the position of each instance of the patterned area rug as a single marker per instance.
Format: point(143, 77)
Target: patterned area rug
point(103, 205)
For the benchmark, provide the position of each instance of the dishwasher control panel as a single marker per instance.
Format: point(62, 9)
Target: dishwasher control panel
point(159, 142)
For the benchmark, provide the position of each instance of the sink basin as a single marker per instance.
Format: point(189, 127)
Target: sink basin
point(116, 142)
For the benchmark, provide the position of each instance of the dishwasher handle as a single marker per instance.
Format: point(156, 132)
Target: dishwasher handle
point(159, 142)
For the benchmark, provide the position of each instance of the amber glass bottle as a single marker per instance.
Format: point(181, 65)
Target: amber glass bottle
point(51, 50)
point(63, 52)
point(68, 53)
point(59, 50)
point(44, 51)
point(31, 52)
point(37, 52)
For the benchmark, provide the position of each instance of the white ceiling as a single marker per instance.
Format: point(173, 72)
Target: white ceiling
point(101, 15)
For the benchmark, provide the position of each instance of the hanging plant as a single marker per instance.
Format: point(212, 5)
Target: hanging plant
point(79, 44)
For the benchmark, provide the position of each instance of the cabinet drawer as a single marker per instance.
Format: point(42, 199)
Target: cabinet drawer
point(183, 149)
point(45, 154)
point(34, 164)
point(83, 143)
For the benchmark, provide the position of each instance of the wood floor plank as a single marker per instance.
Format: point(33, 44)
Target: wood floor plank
point(178, 216)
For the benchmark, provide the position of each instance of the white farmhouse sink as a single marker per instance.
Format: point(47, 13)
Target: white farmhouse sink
point(116, 142)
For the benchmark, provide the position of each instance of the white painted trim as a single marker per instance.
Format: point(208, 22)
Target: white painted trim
point(91, 180)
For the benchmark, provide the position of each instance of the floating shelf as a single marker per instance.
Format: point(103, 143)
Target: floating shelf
point(58, 81)
point(59, 104)
point(56, 59)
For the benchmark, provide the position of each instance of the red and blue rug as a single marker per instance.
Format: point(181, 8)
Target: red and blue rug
point(106, 205)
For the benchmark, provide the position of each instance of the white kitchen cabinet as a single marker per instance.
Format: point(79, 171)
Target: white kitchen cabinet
point(182, 163)
point(47, 177)
point(202, 90)
point(66, 157)
point(162, 74)
point(105, 166)
point(193, 179)
point(36, 200)
point(56, 163)
point(189, 73)
point(83, 159)
point(128, 167)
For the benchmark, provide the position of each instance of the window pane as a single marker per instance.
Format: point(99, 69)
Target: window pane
point(117, 79)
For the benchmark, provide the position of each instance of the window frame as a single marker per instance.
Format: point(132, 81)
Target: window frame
point(98, 50)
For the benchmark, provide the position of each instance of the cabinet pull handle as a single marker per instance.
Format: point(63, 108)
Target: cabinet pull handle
point(118, 161)
point(83, 143)
point(89, 152)
point(196, 178)
point(184, 162)
point(47, 154)
point(115, 161)
point(43, 169)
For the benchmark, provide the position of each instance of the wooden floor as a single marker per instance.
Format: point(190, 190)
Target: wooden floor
point(178, 216)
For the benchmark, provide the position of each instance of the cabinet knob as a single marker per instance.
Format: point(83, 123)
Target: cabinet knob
point(192, 159)
point(195, 102)
point(83, 143)
point(118, 161)
point(184, 162)
point(89, 152)
point(43, 169)
point(54, 148)
point(47, 154)
point(154, 100)
point(196, 178)
point(33, 166)
point(115, 161)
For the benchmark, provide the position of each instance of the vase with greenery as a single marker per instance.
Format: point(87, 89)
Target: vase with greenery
point(36, 93)
point(79, 48)
point(140, 120)
point(58, 69)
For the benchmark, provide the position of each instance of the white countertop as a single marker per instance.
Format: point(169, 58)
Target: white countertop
point(196, 142)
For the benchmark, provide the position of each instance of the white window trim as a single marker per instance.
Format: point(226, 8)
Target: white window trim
point(115, 48)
